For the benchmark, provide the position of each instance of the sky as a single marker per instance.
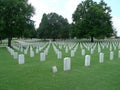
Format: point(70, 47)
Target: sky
point(67, 7)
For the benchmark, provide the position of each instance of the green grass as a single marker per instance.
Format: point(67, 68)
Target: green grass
point(36, 75)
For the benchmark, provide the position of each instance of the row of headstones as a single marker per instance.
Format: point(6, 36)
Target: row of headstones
point(44, 53)
point(66, 45)
point(25, 51)
point(21, 57)
point(38, 48)
point(67, 61)
point(12, 52)
point(94, 47)
point(16, 47)
point(90, 47)
point(102, 45)
point(73, 50)
point(59, 53)
point(83, 52)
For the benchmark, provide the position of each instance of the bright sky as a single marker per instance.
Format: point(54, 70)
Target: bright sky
point(67, 7)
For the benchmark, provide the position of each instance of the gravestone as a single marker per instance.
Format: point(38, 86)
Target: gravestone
point(66, 50)
point(21, 59)
point(99, 49)
point(72, 53)
point(21, 49)
point(15, 55)
point(119, 54)
point(83, 51)
point(37, 50)
point(46, 51)
point(92, 51)
point(25, 51)
point(87, 60)
point(111, 55)
point(54, 69)
point(110, 47)
point(59, 55)
point(11, 51)
point(101, 57)
point(67, 64)
point(42, 56)
point(31, 53)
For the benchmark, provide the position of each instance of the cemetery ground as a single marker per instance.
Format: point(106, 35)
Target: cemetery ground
point(37, 75)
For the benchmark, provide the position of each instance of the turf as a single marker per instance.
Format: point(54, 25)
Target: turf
point(36, 75)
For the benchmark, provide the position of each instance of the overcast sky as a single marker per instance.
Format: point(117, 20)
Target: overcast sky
point(67, 7)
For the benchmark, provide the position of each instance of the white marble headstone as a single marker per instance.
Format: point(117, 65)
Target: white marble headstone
point(42, 56)
point(99, 49)
point(119, 54)
point(21, 59)
point(92, 51)
point(15, 55)
point(72, 53)
point(21, 49)
point(67, 64)
point(31, 53)
point(83, 51)
point(87, 60)
point(37, 50)
point(54, 69)
point(59, 55)
point(25, 51)
point(111, 55)
point(101, 57)
point(66, 50)
point(12, 51)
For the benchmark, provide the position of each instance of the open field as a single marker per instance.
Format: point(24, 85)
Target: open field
point(37, 75)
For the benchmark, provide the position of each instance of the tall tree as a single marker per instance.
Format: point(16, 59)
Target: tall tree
point(92, 19)
point(43, 29)
point(16, 16)
point(53, 26)
point(30, 31)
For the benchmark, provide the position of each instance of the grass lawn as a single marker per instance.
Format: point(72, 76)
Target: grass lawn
point(36, 75)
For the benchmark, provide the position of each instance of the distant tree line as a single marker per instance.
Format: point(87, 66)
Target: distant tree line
point(90, 19)
point(53, 26)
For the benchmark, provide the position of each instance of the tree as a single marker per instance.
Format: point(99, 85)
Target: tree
point(92, 19)
point(53, 26)
point(30, 31)
point(16, 16)
point(43, 29)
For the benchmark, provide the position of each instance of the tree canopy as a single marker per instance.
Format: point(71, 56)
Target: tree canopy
point(92, 19)
point(15, 18)
point(53, 26)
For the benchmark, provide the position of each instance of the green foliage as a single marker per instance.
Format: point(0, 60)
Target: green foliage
point(15, 17)
point(53, 26)
point(92, 19)
point(30, 31)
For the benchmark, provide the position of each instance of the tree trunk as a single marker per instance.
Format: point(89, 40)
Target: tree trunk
point(9, 42)
point(92, 39)
point(53, 39)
